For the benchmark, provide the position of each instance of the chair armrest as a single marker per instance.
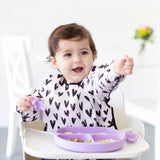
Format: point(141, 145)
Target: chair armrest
point(39, 125)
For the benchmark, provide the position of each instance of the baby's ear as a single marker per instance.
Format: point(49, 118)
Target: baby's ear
point(53, 61)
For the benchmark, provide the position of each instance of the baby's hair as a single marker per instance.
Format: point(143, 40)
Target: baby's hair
point(69, 31)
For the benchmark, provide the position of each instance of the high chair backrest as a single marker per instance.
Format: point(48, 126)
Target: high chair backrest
point(117, 101)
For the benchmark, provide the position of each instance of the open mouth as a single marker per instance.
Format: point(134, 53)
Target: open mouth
point(78, 69)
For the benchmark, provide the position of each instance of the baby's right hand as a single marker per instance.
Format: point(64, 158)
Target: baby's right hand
point(24, 103)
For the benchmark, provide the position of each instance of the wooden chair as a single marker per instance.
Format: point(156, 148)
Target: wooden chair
point(15, 49)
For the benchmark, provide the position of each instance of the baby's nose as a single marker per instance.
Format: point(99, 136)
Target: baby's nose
point(77, 58)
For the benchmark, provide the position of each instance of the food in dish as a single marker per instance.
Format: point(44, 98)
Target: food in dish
point(106, 141)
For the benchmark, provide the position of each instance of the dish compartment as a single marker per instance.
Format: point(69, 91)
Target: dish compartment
point(89, 139)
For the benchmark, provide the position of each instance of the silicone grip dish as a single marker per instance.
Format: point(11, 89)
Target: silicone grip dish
point(90, 136)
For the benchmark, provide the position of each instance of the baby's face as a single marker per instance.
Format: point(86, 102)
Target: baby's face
point(74, 59)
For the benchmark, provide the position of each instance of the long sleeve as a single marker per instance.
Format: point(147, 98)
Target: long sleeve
point(104, 80)
point(32, 114)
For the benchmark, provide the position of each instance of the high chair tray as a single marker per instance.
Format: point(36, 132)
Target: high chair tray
point(42, 144)
point(89, 139)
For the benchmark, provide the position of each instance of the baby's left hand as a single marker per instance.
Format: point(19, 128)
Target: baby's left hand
point(123, 66)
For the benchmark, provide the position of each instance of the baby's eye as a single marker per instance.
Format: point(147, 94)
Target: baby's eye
point(67, 55)
point(84, 52)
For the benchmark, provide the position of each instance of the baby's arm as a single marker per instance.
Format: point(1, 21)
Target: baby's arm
point(109, 76)
point(123, 66)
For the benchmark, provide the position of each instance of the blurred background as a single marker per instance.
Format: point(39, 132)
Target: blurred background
point(112, 24)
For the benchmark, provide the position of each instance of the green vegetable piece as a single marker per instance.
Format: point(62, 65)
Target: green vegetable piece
point(72, 139)
point(90, 141)
point(80, 140)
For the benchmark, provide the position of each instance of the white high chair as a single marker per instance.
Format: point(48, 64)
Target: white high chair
point(32, 140)
point(15, 50)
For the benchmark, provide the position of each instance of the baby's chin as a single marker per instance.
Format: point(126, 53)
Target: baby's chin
point(75, 80)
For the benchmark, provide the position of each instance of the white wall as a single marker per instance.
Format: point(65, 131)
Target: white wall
point(112, 24)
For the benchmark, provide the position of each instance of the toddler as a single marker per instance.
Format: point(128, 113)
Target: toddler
point(79, 94)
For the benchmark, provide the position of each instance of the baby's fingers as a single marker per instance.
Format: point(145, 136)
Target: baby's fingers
point(129, 63)
point(24, 103)
point(128, 71)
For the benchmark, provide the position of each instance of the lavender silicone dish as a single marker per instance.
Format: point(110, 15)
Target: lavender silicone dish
point(92, 139)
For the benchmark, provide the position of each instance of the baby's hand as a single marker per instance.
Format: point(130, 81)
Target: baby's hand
point(24, 103)
point(123, 66)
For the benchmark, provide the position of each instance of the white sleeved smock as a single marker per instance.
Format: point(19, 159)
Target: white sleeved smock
point(76, 104)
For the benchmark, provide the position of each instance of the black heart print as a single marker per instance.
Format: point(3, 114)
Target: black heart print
point(98, 113)
point(50, 100)
point(91, 92)
point(84, 123)
point(79, 115)
point(100, 106)
point(73, 120)
point(60, 94)
point(61, 83)
point(78, 96)
point(74, 92)
point(48, 81)
point(34, 118)
point(107, 80)
point(89, 112)
point(52, 123)
point(100, 76)
point(73, 106)
point(55, 86)
point(55, 115)
point(59, 75)
point(47, 111)
point(105, 112)
point(46, 126)
point(87, 98)
point(81, 106)
point(104, 119)
point(66, 103)
point(57, 105)
point(42, 90)
point(39, 95)
point(48, 92)
point(66, 113)
point(63, 120)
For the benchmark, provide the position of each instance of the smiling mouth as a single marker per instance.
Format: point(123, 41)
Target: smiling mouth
point(78, 69)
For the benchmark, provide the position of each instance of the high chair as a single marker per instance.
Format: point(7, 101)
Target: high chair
point(38, 125)
point(32, 140)
point(15, 49)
